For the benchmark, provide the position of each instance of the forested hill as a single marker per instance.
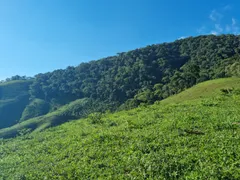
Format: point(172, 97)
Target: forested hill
point(166, 68)
point(140, 76)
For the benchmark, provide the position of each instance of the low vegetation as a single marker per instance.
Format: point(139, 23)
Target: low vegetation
point(72, 111)
point(83, 107)
point(197, 138)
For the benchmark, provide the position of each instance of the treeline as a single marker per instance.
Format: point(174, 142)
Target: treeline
point(142, 75)
point(16, 78)
point(128, 79)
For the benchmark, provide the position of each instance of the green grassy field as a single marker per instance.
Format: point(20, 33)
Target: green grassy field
point(195, 139)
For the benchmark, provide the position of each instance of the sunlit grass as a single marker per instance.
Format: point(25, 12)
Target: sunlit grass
point(205, 89)
point(196, 139)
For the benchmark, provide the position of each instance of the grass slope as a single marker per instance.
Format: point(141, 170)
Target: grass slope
point(206, 89)
point(196, 139)
point(12, 89)
point(71, 111)
point(64, 114)
point(14, 97)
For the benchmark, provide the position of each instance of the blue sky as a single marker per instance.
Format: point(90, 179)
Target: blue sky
point(44, 35)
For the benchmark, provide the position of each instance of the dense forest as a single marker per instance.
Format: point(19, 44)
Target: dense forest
point(146, 74)
point(140, 76)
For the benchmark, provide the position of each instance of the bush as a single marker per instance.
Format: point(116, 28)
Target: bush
point(37, 107)
point(95, 118)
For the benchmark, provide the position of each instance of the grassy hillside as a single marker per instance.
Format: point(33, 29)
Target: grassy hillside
point(205, 89)
point(12, 89)
point(14, 97)
point(82, 107)
point(195, 139)
point(74, 110)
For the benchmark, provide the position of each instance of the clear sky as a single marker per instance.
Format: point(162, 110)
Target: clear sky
point(44, 35)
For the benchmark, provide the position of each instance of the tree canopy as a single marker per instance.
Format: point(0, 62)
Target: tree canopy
point(176, 66)
point(139, 76)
